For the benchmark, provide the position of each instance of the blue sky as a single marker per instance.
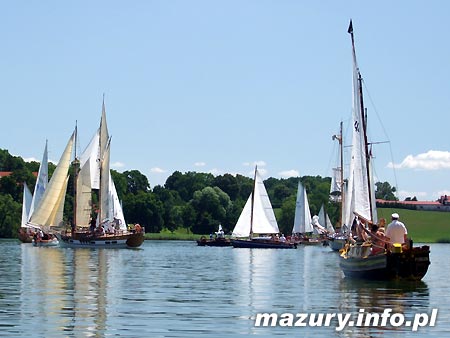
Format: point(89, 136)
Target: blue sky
point(215, 86)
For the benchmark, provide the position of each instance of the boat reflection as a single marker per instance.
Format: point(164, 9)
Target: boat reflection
point(405, 297)
point(66, 288)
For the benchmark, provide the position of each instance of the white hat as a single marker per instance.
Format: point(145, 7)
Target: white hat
point(395, 215)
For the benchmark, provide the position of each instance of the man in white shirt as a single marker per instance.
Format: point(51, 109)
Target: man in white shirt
point(396, 230)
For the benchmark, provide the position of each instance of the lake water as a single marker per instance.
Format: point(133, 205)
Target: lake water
point(176, 289)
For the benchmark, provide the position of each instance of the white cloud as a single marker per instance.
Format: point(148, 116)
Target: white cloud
point(258, 163)
point(199, 164)
point(157, 170)
point(431, 160)
point(289, 173)
point(117, 165)
point(31, 159)
point(215, 172)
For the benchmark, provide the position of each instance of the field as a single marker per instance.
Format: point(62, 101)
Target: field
point(423, 226)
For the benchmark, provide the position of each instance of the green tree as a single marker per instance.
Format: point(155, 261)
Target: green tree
point(228, 184)
point(211, 205)
point(10, 213)
point(136, 182)
point(385, 192)
point(144, 208)
point(287, 214)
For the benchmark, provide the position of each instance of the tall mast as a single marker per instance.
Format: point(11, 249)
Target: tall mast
point(363, 119)
point(76, 168)
point(341, 173)
point(253, 202)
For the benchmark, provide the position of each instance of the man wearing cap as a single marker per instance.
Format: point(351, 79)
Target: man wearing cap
point(396, 230)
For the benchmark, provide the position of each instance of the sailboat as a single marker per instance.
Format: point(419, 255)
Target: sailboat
point(105, 227)
point(31, 201)
point(25, 233)
point(48, 202)
point(325, 221)
point(218, 240)
point(358, 259)
point(258, 217)
point(338, 238)
point(303, 226)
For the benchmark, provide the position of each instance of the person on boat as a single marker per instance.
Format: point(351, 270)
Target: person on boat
point(378, 239)
point(396, 230)
point(138, 228)
point(381, 225)
point(93, 224)
point(282, 238)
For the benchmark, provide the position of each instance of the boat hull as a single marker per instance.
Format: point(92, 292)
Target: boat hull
point(25, 237)
point(407, 265)
point(214, 242)
point(46, 242)
point(86, 240)
point(244, 243)
point(336, 244)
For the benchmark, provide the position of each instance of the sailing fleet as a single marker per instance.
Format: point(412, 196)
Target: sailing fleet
point(257, 227)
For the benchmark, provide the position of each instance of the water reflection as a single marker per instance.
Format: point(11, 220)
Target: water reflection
point(405, 297)
point(65, 288)
point(176, 289)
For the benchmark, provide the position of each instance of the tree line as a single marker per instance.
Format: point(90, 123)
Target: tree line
point(192, 200)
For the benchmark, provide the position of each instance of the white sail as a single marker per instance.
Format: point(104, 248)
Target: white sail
point(84, 195)
point(45, 214)
point(115, 208)
point(56, 217)
point(359, 184)
point(91, 156)
point(302, 219)
point(104, 186)
point(336, 184)
point(26, 204)
point(324, 220)
point(264, 221)
point(41, 182)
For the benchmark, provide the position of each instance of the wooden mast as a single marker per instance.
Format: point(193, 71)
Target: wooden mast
point(76, 169)
point(253, 202)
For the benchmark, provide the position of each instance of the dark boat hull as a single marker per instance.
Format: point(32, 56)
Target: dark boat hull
point(214, 242)
point(244, 243)
point(86, 240)
point(336, 244)
point(408, 265)
point(25, 237)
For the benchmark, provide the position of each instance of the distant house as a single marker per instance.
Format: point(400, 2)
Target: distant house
point(5, 173)
point(439, 205)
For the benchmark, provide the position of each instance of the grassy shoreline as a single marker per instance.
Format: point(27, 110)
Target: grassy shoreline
point(423, 227)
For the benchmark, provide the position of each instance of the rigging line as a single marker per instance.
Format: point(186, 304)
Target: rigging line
point(387, 136)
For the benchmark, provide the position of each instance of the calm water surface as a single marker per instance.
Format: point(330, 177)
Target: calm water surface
point(176, 289)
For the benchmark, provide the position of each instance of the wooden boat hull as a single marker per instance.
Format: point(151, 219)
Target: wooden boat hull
point(408, 265)
point(311, 242)
point(45, 242)
point(25, 237)
point(336, 244)
point(214, 242)
point(244, 243)
point(87, 240)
